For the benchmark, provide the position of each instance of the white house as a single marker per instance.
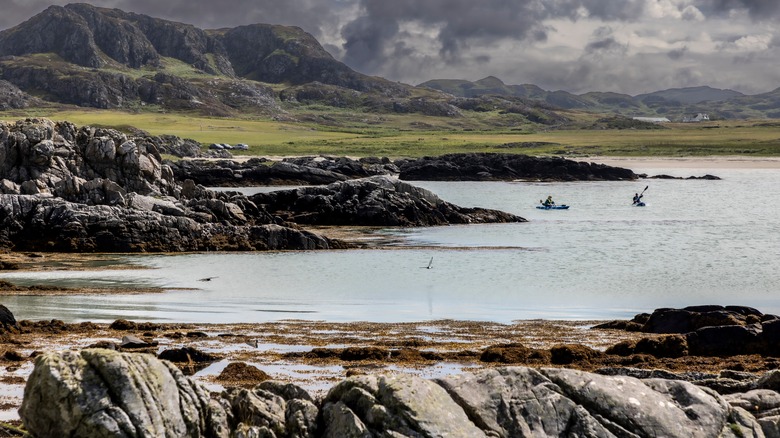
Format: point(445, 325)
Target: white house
point(701, 117)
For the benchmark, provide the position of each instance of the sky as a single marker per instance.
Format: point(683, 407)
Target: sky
point(623, 46)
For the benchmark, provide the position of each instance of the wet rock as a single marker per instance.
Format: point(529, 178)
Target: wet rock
point(106, 393)
point(13, 356)
point(7, 320)
point(133, 342)
point(730, 340)
point(197, 335)
point(691, 318)
point(665, 346)
point(187, 355)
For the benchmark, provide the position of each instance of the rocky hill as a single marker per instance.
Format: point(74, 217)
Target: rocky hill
point(107, 58)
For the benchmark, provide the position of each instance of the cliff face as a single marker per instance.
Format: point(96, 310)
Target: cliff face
point(107, 58)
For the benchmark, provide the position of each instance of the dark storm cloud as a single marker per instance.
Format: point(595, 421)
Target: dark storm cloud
point(677, 54)
point(757, 9)
point(459, 23)
point(609, 44)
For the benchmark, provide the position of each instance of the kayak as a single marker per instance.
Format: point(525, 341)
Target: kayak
point(553, 207)
point(639, 204)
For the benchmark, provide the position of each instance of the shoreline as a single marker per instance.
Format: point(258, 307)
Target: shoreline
point(315, 355)
point(705, 162)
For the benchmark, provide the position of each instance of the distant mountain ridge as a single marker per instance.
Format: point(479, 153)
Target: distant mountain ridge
point(107, 58)
point(675, 102)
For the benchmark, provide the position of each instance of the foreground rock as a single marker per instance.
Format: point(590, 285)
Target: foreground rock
point(379, 200)
point(102, 393)
point(96, 393)
point(504, 167)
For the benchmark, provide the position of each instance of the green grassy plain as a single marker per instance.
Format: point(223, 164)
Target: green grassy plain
point(395, 136)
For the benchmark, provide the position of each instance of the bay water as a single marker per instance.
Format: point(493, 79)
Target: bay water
point(695, 242)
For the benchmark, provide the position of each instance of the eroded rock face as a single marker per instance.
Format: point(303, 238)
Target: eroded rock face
point(104, 393)
point(79, 164)
point(88, 189)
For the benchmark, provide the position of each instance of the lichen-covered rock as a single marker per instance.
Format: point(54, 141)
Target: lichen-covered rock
point(104, 393)
point(556, 402)
point(394, 405)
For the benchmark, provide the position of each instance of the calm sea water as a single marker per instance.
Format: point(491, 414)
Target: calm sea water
point(696, 242)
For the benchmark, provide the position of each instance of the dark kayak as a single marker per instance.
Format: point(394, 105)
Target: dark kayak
point(553, 207)
point(639, 204)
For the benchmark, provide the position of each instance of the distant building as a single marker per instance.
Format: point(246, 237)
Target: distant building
point(701, 117)
point(652, 119)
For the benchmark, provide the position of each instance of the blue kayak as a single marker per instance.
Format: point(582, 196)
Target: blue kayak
point(553, 207)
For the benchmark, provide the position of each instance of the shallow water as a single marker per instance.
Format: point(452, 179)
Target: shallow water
point(696, 242)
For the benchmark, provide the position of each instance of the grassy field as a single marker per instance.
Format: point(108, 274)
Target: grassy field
point(414, 135)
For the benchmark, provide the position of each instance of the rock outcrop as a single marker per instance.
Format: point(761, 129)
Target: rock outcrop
point(95, 393)
point(496, 167)
point(88, 189)
point(374, 201)
point(261, 171)
point(52, 224)
point(452, 167)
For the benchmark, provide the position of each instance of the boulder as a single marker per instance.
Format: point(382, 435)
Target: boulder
point(728, 340)
point(101, 393)
point(393, 405)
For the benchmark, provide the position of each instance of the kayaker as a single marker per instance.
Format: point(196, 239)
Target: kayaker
point(548, 202)
point(637, 198)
